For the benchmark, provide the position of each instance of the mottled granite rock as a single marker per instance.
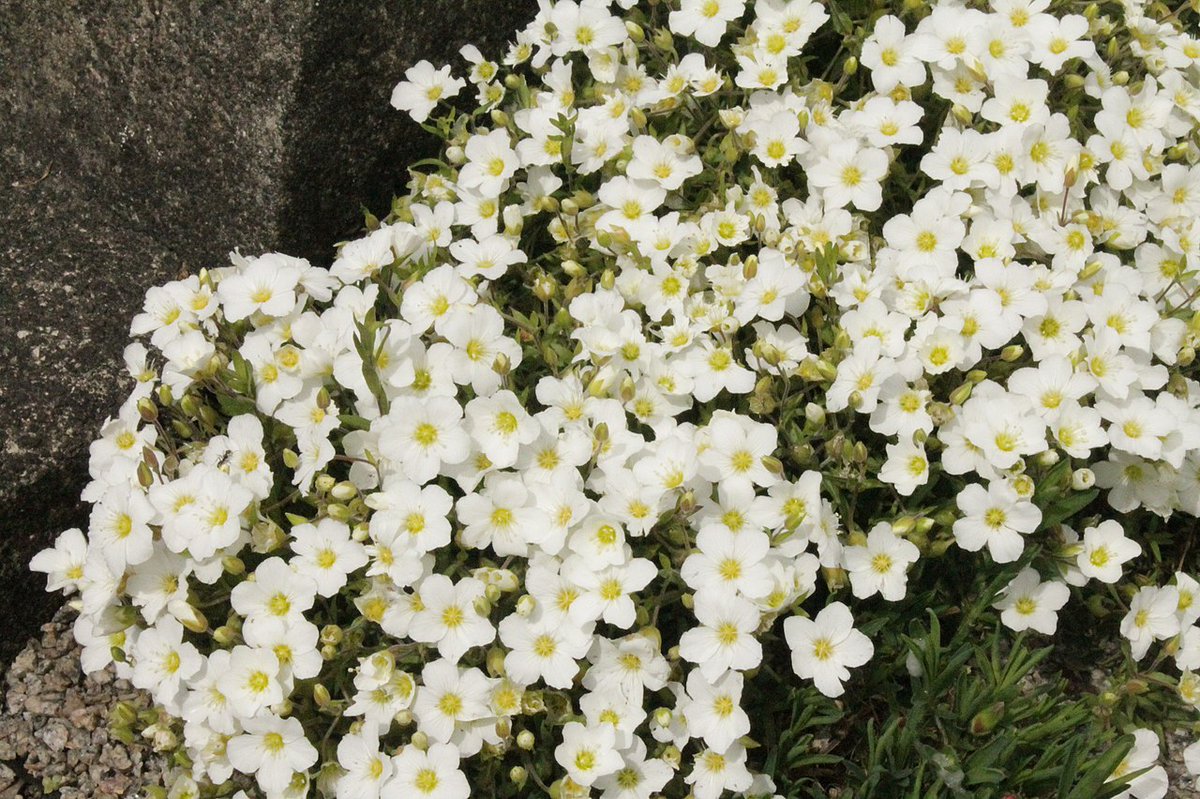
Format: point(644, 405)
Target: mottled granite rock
point(146, 138)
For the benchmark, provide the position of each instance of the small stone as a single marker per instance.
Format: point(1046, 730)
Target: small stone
point(54, 736)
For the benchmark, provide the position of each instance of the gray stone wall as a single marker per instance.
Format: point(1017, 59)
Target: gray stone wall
point(143, 139)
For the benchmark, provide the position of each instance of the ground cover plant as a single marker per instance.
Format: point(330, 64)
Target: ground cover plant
point(752, 398)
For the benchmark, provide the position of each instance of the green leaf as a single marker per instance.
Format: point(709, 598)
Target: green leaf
point(1092, 785)
point(1066, 507)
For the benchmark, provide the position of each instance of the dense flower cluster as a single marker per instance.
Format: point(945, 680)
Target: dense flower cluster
point(680, 354)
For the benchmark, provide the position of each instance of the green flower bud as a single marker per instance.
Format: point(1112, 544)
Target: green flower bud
point(1011, 353)
point(986, 720)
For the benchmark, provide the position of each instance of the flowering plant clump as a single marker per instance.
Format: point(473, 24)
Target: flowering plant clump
point(753, 399)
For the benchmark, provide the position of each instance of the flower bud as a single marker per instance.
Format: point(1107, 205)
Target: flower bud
point(123, 714)
point(961, 394)
point(191, 618)
point(834, 577)
point(225, 636)
point(986, 720)
point(147, 409)
point(1024, 486)
point(1082, 479)
point(1011, 353)
point(344, 490)
point(339, 512)
point(526, 605)
point(672, 756)
point(145, 477)
point(525, 740)
point(495, 661)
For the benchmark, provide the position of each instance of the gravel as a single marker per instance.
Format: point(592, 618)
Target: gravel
point(54, 725)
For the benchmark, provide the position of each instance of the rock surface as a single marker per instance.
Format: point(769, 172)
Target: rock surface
point(147, 138)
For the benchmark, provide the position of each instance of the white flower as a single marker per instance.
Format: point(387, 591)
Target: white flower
point(423, 88)
point(266, 286)
point(432, 773)
point(250, 681)
point(449, 698)
point(491, 161)
point(1144, 755)
point(1028, 603)
point(587, 753)
point(906, 467)
point(728, 562)
point(725, 638)
point(448, 618)
point(273, 750)
point(888, 53)
point(825, 648)
point(63, 563)
point(1105, 550)
point(715, 772)
point(163, 661)
point(326, 554)
point(504, 516)
point(607, 592)
point(277, 592)
point(1151, 618)
point(995, 517)
point(499, 426)
point(714, 712)
point(422, 436)
point(638, 778)
point(545, 649)
point(417, 515)
point(668, 163)
point(119, 528)
point(736, 449)
point(880, 565)
point(366, 769)
point(848, 174)
point(705, 20)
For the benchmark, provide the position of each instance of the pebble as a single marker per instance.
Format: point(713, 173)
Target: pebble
point(54, 725)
